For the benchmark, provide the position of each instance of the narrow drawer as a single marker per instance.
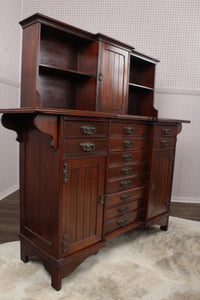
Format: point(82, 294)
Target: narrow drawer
point(123, 210)
point(87, 146)
point(165, 130)
point(126, 170)
point(124, 197)
point(127, 157)
point(116, 223)
point(164, 142)
point(122, 184)
point(128, 143)
point(85, 129)
point(129, 129)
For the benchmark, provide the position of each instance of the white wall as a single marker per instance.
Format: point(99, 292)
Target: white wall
point(10, 53)
point(167, 30)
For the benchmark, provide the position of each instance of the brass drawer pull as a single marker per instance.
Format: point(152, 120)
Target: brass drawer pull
point(127, 143)
point(127, 157)
point(129, 130)
point(122, 222)
point(122, 209)
point(87, 147)
point(88, 129)
point(125, 197)
point(165, 143)
point(125, 183)
point(166, 130)
point(126, 171)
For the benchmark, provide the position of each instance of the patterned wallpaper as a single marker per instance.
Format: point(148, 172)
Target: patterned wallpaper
point(165, 29)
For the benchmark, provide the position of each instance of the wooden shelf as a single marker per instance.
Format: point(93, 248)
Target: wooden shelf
point(73, 73)
point(138, 86)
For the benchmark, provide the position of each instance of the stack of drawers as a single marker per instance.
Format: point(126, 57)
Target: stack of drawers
point(126, 172)
point(84, 137)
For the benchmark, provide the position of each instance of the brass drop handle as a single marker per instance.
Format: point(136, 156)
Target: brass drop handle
point(126, 171)
point(127, 157)
point(125, 197)
point(122, 222)
point(152, 186)
point(122, 209)
point(88, 129)
point(101, 199)
point(165, 143)
point(129, 129)
point(166, 130)
point(125, 183)
point(87, 147)
point(127, 143)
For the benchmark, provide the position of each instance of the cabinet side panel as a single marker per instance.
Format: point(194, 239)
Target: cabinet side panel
point(30, 50)
point(41, 193)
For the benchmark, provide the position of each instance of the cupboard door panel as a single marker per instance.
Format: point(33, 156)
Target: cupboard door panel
point(82, 214)
point(113, 79)
point(160, 183)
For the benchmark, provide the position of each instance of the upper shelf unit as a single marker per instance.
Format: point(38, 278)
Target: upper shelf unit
point(66, 67)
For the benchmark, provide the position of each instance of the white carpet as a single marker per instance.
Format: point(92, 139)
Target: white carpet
point(141, 264)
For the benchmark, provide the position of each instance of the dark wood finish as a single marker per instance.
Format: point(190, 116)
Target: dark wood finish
point(94, 159)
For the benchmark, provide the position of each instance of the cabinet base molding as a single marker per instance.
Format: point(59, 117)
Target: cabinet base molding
point(162, 221)
point(58, 268)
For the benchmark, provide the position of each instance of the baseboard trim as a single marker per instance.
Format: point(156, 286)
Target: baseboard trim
point(9, 191)
point(185, 199)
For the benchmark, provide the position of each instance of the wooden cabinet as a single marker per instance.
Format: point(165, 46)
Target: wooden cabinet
point(95, 161)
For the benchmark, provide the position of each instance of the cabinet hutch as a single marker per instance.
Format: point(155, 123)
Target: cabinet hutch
point(95, 161)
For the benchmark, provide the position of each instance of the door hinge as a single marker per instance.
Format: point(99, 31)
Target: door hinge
point(102, 199)
point(64, 244)
point(65, 173)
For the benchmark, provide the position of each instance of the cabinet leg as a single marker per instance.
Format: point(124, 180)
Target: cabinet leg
point(56, 279)
point(24, 256)
point(165, 226)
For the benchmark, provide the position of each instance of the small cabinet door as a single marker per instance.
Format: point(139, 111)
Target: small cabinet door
point(160, 183)
point(82, 207)
point(112, 79)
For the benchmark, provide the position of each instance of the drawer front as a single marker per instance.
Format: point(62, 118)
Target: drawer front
point(116, 223)
point(128, 129)
point(125, 183)
point(126, 170)
point(123, 210)
point(127, 157)
point(165, 130)
point(84, 146)
point(164, 142)
point(125, 197)
point(85, 129)
point(128, 143)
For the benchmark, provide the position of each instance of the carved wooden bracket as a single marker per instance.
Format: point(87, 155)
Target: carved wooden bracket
point(179, 128)
point(48, 124)
point(14, 122)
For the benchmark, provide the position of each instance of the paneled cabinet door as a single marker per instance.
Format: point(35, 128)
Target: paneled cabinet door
point(160, 182)
point(82, 203)
point(112, 79)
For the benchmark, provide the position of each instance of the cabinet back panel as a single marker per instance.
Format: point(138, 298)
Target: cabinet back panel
point(56, 91)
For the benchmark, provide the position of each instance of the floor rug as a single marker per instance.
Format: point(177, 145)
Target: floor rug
point(141, 264)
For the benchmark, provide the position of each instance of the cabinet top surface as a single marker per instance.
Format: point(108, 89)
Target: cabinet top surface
point(81, 113)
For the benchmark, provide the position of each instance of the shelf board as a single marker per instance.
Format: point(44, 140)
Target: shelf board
point(55, 69)
point(142, 87)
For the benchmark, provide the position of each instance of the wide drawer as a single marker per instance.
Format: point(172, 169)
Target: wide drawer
point(128, 143)
point(116, 223)
point(125, 196)
point(85, 129)
point(165, 130)
point(122, 184)
point(164, 142)
point(123, 210)
point(129, 129)
point(126, 170)
point(84, 146)
point(127, 157)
